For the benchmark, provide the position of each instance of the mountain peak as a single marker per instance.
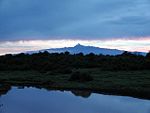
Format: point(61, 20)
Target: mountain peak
point(79, 45)
point(85, 50)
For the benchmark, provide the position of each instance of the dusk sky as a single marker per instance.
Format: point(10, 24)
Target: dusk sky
point(38, 24)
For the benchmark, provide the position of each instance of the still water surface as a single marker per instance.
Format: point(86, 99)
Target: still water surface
point(33, 100)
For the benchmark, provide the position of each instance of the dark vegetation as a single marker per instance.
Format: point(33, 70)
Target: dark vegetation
point(65, 62)
point(131, 83)
point(80, 77)
point(125, 74)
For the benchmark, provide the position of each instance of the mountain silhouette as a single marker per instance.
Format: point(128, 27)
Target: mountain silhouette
point(85, 50)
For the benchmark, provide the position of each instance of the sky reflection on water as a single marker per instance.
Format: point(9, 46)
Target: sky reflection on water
point(33, 100)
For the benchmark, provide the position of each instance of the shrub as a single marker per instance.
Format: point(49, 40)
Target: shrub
point(62, 71)
point(80, 77)
point(66, 71)
point(148, 55)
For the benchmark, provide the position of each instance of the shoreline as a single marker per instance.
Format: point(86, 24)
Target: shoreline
point(113, 92)
point(119, 86)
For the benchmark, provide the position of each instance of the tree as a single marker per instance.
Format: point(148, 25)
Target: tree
point(67, 53)
point(148, 55)
point(126, 53)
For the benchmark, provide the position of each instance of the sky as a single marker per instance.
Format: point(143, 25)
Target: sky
point(39, 24)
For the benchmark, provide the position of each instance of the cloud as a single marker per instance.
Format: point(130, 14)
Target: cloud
point(79, 19)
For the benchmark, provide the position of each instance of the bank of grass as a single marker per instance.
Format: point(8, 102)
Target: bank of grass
point(131, 83)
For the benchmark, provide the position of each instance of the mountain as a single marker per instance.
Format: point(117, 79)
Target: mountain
point(85, 50)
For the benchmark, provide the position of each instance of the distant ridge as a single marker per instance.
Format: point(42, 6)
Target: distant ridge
point(85, 50)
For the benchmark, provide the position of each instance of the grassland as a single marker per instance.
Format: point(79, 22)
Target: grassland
point(131, 83)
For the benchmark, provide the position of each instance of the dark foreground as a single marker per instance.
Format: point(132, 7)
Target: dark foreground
point(130, 83)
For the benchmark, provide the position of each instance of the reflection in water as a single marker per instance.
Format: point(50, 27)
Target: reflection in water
point(4, 89)
point(33, 100)
point(84, 94)
point(21, 87)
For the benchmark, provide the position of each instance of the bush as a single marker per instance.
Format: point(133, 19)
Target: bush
point(66, 71)
point(148, 55)
point(62, 71)
point(80, 77)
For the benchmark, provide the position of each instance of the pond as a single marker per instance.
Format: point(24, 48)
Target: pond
point(34, 100)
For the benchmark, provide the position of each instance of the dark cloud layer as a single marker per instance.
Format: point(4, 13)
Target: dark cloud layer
point(72, 19)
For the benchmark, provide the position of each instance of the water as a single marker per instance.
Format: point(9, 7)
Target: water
point(33, 100)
